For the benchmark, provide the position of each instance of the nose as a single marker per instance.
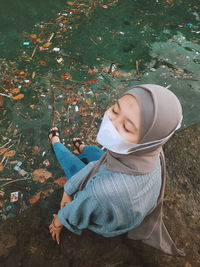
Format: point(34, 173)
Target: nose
point(116, 122)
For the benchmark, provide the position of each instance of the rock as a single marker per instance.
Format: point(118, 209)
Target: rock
point(25, 240)
point(7, 242)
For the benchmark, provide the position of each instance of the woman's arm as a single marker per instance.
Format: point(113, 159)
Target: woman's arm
point(79, 213)
point(74, 182)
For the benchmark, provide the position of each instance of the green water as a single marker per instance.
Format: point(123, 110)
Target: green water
point(20, 16)
point(149, 42)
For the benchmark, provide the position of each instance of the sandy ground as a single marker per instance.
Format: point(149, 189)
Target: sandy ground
point(25, 240)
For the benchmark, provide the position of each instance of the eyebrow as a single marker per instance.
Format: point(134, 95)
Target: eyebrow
point(117, 102)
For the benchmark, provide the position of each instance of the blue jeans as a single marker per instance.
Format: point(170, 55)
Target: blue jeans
point(71, 163)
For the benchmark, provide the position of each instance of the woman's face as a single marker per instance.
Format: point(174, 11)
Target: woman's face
point(125, 116)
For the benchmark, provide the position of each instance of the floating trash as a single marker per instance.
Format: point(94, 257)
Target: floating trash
point(26, 43)
point(14, 196)
point(19, 170)
point(112, 68)
point(56, 49)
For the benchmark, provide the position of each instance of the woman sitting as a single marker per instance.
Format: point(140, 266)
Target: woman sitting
point(121, 190)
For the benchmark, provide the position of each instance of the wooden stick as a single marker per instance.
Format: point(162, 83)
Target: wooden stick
point(93, 41)
point(5, 144)
point(5, 95)
point(34, 51)
point(18, 186)
point(2, 160)
point(137, 66)
point(23, 115)
point(5, 162)
point(50, 38)
point(10, 125)
point(53, 107)
point(22, 179)
point(108, 60)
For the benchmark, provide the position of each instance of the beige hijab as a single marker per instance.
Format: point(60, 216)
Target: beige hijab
point(161, 113)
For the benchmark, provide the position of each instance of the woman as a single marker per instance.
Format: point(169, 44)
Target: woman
point(121, 190)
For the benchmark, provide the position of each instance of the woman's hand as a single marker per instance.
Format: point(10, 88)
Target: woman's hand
point(56, 226)
point(55, 229)
point(65, 199)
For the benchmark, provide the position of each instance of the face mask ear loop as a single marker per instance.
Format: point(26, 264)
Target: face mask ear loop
point(165, 138)
point(159, 142)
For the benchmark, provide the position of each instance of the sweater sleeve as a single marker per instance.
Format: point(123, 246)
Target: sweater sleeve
point(74, 182)
point(80, 213)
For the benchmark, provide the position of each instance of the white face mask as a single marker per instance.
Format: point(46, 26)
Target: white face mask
point(109, 138)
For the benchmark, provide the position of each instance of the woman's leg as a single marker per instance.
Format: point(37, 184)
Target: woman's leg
point(68, 161)
point(90, 153)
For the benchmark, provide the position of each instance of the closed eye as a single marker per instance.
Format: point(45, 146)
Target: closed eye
point(114, 111)
point(126, 129)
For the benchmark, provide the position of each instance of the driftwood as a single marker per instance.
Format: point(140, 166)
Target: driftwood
point(53, 107)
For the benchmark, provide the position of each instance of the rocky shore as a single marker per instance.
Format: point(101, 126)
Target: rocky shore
point(25, 240)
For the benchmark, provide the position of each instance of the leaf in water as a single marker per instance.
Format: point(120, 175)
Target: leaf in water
point(2, 150)
point(13, 162)
point(41, 175)
point(34, 36)
point(91, 82)
point(119, 74)
point(92, 72)
point(69, 87)
point(88, 101)
point(63, 109)
point(9, 154)
point(129, 74)
point(33, 75)
point(66, 76)
point(17, 72)
point(15, 90)
point(61, 181)
point(72, 101)
point(42, 63)
point(36, 150)
point(42, 180)
point(18, 97)
point(84, 113)
point(1, 167)
point(42, 27)
point(76, 11)
point(70, 3)
point(47, 44)
point(23, 74)
point(83, 108)
point(57, 114)
point(1, 101)
point(34, 198)
point(38, 41)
